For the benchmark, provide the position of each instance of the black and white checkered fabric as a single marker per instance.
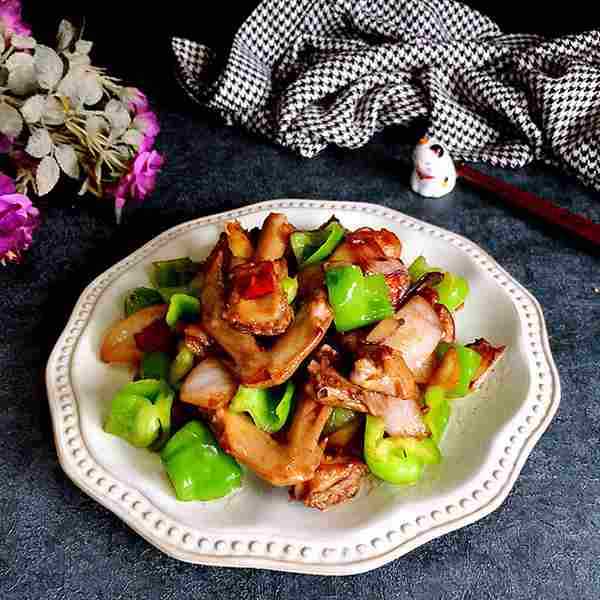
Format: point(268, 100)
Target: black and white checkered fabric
point(310, 73)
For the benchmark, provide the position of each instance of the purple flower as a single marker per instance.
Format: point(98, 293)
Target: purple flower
point(147, 123)
point(10, 19)
point(5, 144)
point(18, 219)
point(7, 185)
point(139, 181)
point(135, 100)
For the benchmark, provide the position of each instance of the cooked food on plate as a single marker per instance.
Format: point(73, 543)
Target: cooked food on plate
point(315, 359)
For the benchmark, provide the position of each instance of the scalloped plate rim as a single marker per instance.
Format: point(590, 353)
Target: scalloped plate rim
point(214, 557)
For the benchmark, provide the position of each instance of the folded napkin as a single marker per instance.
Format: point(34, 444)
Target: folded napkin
point(315, 72)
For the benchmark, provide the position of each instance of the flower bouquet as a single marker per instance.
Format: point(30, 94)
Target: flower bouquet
point(62, 116)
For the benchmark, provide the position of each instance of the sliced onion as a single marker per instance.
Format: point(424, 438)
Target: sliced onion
point(418, 333)
point(404, 418)
point(209, 385)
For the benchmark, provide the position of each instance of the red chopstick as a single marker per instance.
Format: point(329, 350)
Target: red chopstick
point(573, 223)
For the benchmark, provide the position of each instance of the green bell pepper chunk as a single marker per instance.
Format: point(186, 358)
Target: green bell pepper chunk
point(174, 272)
point(139, 298)
point(182, 306)
point(468, 360)
point(425, 449)
point(442, 348)
point(338, 418)
point(181, 366)
point(311, 247)
point(419, 267)
point(141, 413)
point(436, 419)
point(166, 293)
point(269, 412)
point(357, 300)
point(197, 467)
point(452, 290)
point(289, 285)
point(438, 413)
point(155, 365)
point(387, 458)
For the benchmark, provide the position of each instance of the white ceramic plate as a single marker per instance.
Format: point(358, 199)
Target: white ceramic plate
point(490, 435)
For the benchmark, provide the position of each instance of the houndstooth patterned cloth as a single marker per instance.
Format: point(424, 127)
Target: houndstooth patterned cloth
point(310, 73)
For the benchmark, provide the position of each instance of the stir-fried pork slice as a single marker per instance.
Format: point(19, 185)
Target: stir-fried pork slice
point(280, 464)
point(301, 338)
point(395, 273)
point(197, 340)
point(367, 244)
point(254, 365)
point(415, 331)
point(274, 238)
point(382, 369)
point(402, 416)
point(239, 242)
point(447, 323)
point(337, 480)
point(490, 356)
point(310, 278)
point(257, 303)
point(250, 359)
point(209, 385)
point(352, 341)
point(444, 315)
point(375, 252)
point(426, 369)
point(119, 344)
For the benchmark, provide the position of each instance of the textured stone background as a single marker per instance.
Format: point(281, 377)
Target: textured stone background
point(56, 543)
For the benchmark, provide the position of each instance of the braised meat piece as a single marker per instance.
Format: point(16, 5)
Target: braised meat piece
point(281, 464)
point(257, 303)
point(402, 416)
point(337, 480)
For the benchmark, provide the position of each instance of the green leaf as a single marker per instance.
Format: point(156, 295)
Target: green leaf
point(19, 59)
point(91, 90)
point(39, 143)
point(11, 122)
point(48, 67)
point(69, 87)
point(47, 175)
point(22, 42)
point(81, 86)
point(21, 80)
point(83, 46)
point(54, 112)
point(128, 94)
point(118, 117)
point(77, 60)
point(66, 33)
point(67, 160)
point(95, 125)
point(33, 108)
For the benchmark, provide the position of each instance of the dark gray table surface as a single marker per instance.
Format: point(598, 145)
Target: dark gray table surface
point(57, 543)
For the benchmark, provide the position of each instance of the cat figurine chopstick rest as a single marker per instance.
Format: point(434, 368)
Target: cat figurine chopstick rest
point(434, 174)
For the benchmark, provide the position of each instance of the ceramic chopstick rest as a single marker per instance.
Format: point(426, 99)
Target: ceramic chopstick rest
point(434, 174)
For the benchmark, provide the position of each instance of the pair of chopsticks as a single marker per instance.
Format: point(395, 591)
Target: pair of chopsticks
point(576, 225)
